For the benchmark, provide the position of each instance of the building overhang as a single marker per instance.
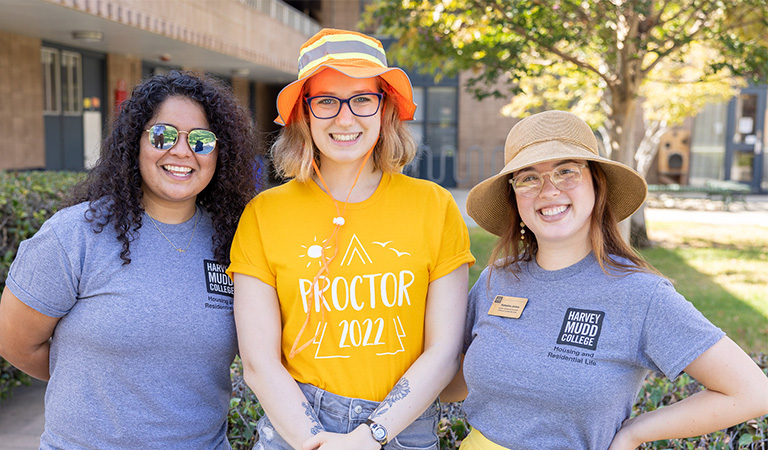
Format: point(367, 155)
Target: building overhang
point(253, 45)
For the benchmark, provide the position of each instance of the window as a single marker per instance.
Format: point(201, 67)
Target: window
point(435, 121)
point(708, 144)
point(62, 82)
point(51, 81)
point(442, 119)
point(746, 115)
point(71, 83)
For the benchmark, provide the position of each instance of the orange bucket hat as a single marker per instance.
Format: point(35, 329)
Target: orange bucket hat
point(353, 54)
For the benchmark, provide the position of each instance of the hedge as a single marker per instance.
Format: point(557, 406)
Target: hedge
point(27, 199)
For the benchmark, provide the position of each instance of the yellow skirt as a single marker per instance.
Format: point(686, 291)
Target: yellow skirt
point(476, 441)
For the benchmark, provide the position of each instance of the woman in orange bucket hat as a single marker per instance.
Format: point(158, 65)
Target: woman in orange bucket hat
point(574, 319)
point(350, 279)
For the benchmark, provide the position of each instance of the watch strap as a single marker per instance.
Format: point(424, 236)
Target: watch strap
point(377, 428)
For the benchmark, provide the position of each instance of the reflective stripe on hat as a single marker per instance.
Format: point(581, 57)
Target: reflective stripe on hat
point(347, 46)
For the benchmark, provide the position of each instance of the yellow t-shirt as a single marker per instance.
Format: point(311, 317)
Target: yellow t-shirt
point(392, 245)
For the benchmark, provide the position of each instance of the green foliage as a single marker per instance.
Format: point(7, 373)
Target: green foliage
point(614, 41)
point(244, 411)
point(594, 57)
point(481, 245)
point(10, 377)
point(27, 199)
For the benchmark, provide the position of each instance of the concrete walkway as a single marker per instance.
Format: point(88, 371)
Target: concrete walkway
point(22, 416)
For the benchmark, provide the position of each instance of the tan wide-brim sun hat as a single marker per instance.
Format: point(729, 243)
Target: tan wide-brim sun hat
point(353, 54)
point(544, 137)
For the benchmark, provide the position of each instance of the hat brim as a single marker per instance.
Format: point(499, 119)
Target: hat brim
point(488, 202)
point(395, 77)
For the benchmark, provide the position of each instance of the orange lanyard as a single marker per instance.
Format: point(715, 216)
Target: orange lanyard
point(325, 262)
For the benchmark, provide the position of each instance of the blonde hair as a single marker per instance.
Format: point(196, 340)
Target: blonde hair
point(607, 243)
point(294, 148)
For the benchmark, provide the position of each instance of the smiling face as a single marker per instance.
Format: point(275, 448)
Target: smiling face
point(346, 138)
point(172, 179)
point(560, 219)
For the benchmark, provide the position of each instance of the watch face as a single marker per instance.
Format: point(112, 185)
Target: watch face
point(379, 432)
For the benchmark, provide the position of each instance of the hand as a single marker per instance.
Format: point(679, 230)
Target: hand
point(623, 439)
point(359, 439)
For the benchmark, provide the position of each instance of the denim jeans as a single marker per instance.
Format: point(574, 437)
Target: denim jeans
point(343, 414)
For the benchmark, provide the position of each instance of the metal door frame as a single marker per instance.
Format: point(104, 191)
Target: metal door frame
point(733, 149)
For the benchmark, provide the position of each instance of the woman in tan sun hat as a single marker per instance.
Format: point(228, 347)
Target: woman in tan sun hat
point(350, 279)
point(567, 320)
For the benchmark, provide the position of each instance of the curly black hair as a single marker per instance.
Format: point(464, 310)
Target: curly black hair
point(113, 186)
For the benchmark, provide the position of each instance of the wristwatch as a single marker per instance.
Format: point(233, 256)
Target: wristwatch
point(378, 432)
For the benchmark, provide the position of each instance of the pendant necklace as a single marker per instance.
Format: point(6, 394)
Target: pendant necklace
point(180, 250)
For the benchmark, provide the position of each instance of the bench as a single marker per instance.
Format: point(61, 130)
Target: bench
point(727, 190)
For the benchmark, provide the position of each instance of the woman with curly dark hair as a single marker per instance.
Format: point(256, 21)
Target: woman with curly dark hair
point(121, 301)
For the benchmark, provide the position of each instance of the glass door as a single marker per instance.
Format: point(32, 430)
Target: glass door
point(744, 137)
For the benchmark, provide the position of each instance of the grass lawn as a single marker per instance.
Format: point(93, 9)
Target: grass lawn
point(722, 269)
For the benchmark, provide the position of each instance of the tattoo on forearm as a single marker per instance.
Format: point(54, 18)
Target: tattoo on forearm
point(399, 392)
point(310, 413)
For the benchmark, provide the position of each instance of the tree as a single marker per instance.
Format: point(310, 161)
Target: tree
point(598, 58)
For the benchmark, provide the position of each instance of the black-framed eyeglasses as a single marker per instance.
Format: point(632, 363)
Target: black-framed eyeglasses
point(361, 105)
point(529, 183)
point(163, 137)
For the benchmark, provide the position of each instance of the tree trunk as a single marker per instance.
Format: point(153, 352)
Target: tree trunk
point(638, 235)
point(646, 152)
point(624, 127)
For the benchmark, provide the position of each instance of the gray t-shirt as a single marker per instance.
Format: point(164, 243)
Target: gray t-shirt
point(566, 373)
point(140, 358)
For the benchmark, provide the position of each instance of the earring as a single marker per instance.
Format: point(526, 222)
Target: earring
point(522, 230)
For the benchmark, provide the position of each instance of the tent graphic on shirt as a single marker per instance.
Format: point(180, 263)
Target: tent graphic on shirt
point(400, 335)
point(355, 248)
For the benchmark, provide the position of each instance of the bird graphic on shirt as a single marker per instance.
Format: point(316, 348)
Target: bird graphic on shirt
point(399, 254)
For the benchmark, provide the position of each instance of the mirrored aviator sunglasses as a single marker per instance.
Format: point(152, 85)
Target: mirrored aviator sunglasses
point(164, 137)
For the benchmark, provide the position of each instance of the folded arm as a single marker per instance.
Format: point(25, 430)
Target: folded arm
point(736, 391)
point(25, 336)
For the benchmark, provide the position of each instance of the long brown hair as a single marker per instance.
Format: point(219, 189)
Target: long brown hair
point(607, 243)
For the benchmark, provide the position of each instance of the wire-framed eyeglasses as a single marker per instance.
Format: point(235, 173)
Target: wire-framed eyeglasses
point(163, 136)
point(327, 106)
point(529, 183)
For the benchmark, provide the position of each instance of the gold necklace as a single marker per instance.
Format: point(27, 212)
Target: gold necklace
point(169, 241)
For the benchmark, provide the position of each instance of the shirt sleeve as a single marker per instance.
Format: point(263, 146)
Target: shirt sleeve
point(454, 242)
point(675, 333)
point(247, 253)
point(43, 276)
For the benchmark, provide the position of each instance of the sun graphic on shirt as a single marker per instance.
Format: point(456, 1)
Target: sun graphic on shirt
point(314, 252)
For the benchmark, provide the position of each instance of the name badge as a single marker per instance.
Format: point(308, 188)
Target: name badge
point(510, 307)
